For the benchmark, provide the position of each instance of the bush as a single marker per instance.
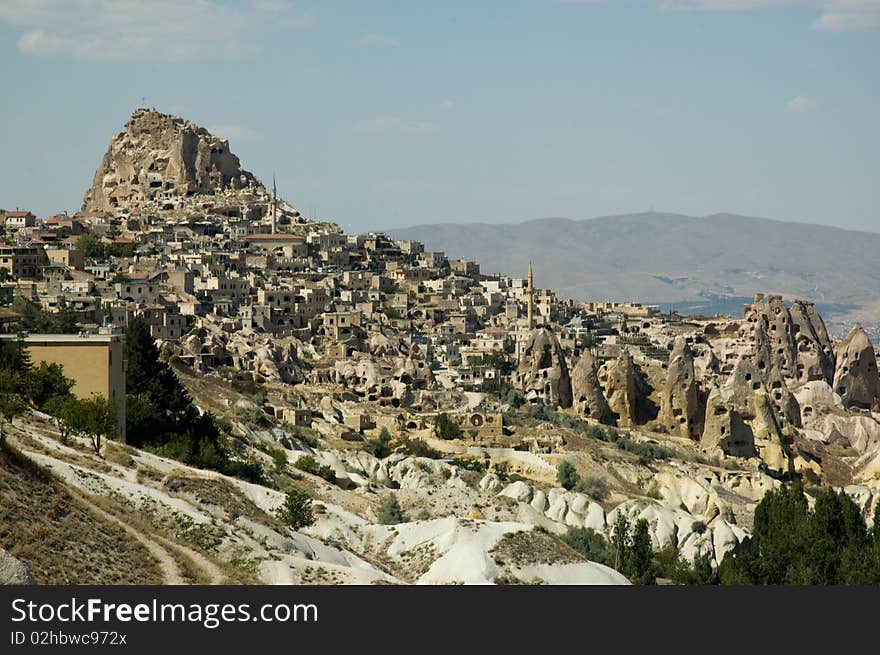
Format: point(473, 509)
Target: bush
point(250, 413)
point(540, 412)
point(418, 448)
point(567, 476)
point(309, 464)
point(389, 512)
point(698, 526)
point(512, 397)
point(647, 452)
point(296, 510)
point(469, 464)
point(446, 428)
point(590, 544)
point(594, 486)
point(380, 447)
point(279, 456)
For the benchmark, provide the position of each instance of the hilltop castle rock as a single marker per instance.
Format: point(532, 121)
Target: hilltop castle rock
point(164, 163)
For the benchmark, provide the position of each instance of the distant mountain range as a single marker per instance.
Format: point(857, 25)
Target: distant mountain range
point(697, 264)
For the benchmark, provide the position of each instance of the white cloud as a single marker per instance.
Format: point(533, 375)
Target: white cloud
point(155, 30)
point(723, 5)
point(379, 125)
point(799, 105)
point(376, 41)
point(232, 132)
point(834, 15)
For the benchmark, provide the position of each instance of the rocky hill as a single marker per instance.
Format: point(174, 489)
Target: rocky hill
point(706, 264)
point(161, 162)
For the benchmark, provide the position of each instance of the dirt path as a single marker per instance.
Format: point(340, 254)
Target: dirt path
point(165, 551)
point(171, 572)
point(210, 570)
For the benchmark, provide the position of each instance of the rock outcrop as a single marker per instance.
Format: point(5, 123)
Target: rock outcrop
point(628, 392)
point(815, 351)
point(161, 162)
point(856, 379)
point(588, 398)
point(13, 571)
point(742, 420)
point(682, 409)
point(542, 374)
point(793, 340)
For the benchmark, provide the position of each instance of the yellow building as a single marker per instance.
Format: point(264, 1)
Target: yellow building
point(95, 362)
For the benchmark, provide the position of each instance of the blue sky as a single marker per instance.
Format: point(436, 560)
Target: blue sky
point(383, 114)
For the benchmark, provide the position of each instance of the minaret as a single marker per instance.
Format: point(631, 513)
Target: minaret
point(274, 205)
point(531, 299)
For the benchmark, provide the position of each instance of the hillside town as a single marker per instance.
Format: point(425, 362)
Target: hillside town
point(345, 335)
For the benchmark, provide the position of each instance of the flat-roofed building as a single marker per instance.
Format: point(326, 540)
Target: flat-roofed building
point(95, 362)
point(22, 261)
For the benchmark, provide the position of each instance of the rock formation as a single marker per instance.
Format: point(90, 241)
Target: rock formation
point(160, 162)
point(542, 374)
point(587, 397)
point(856, 378)
point(815, 351)
point(681, 402)
point(12, 571)
point(770, 324)
point(794, 341)
point(628, 392)
point(742, 420)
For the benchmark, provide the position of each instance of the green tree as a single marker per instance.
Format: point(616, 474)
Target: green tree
point(620, 541)
point(35, 319)
point(389, 512)
point(160, 413)
point(446, 428)
point(47, 381)
point(93, 417)
point(500, 360)
point(91, 245)
point(640, 558)
point(13, 403)
point(296, 510)
point(591, 544)
point(63, 410)
point(567, 475)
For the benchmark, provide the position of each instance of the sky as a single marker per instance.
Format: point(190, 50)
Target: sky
point(381, 114)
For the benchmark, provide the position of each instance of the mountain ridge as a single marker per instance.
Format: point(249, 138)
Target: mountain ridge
point(668, 258)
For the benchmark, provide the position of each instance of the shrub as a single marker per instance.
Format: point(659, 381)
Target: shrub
point(594, 486)
point(389, 512)
point(540, 412)
point(646, 452)
point(380, 447)
point(446, 428)
point(418, 448)
point(698, 526)
point(469, 464)
point(566, 475)
point(296, 510)
point(280, 459)
point(309, 464)
point(589, 543)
